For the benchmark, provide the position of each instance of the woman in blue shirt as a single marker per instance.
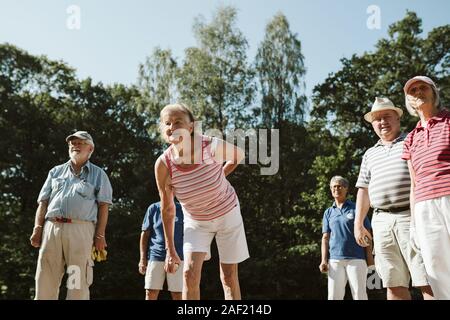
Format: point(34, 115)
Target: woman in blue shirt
point(342, 257)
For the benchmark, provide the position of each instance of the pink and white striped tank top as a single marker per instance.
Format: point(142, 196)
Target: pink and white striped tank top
point(202, 189)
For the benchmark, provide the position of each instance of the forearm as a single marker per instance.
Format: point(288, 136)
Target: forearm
point(143, 245)
point(230, 154)
point(229, 167)
point(369, 255)
point(362, 207)
point(39, 220)
point(168, 219)
point(102, 219)
point(40, 214)
point(324, 249)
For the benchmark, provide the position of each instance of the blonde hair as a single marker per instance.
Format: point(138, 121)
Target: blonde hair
point(175, 107)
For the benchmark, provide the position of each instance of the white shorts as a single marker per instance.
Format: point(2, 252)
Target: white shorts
point(155, 277)
point(228, 231)
point(396, 261)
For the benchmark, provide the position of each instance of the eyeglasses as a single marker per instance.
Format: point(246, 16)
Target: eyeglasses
point(77, 143)
point(415, 89)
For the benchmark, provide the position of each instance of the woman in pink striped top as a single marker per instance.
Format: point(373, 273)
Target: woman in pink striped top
point(427, 150)
point(192, 170)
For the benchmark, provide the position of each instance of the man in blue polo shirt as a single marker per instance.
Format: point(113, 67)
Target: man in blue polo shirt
point(153, 253)
point(342, 257)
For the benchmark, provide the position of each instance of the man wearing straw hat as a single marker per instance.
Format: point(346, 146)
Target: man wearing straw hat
point(384, 184)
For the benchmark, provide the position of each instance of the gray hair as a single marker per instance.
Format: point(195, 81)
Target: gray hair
point(90, 153)
point(90, 142)
point(341, 180)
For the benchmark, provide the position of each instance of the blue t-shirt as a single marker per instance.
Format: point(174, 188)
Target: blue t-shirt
point(339, 223)
point(153, 222)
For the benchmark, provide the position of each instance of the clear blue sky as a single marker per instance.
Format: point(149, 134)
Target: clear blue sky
point(115, 36)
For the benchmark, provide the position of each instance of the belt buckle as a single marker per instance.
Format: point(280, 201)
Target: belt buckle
point(63, 220)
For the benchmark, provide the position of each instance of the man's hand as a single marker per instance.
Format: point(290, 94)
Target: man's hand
point(36, 237)
point(362, 236)
point(100, 242)
point(323, 267)
point(142, 266)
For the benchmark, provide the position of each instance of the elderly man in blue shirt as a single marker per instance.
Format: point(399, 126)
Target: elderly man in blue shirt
point(342, 257)
point(71, 218)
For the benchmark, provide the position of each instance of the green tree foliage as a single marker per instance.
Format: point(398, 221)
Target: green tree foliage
point(345, 96)
point(348, 94)
point(215, 78)
point(280, 70)
point(157, 86)
point(42, 101)
point(340, 102)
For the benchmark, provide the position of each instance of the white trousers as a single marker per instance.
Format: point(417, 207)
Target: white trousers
point(432, 218)
point(353, 270)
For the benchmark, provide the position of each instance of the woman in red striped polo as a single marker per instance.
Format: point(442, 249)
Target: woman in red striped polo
point(427, 150)
point(192, 170)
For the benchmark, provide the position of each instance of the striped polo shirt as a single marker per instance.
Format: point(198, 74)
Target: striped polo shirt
point(202, 189)
point(386, 175)
point(429, 151)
